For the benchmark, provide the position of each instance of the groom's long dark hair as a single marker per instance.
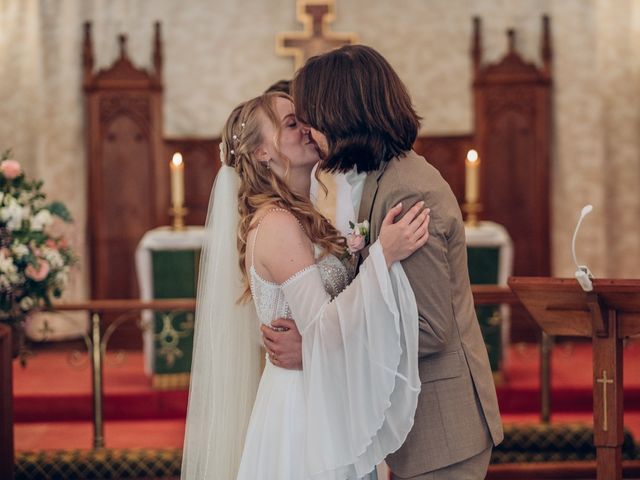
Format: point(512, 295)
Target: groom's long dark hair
point(355, 98)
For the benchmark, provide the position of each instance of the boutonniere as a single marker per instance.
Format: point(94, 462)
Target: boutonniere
point(358, 237)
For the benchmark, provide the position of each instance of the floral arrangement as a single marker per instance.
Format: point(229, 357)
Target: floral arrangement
point(34, 262)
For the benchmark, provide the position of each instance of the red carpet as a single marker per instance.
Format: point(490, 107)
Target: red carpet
point(52, 405)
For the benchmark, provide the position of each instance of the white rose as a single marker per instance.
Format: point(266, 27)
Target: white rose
point(27, 303)
point(53, 257)
point(6, 265)
point(41, 220)
point(19, 250)
point(12, 215)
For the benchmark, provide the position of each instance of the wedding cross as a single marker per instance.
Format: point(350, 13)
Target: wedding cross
point(604, 381)
point(315, 15)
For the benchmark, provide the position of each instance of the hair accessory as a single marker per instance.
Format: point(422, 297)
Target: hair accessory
point(232, 152)
point(235, 137)
point(242, 125)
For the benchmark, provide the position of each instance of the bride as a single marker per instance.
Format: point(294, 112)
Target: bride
point(355, 399)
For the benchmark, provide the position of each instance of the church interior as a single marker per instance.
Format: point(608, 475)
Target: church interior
point(530, 111)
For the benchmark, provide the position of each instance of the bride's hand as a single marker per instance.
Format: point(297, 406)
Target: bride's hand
point(401, 239)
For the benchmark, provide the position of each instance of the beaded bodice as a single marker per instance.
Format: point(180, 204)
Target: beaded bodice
point(269, 297)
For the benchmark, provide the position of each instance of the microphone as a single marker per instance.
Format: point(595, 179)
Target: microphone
point(583, 274)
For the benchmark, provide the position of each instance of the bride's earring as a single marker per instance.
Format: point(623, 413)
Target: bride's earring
point(268, 164)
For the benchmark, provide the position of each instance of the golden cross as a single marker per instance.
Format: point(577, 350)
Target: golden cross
point(604, 381)
point(316, 38)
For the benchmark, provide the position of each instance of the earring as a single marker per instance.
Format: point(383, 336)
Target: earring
point(268, 162)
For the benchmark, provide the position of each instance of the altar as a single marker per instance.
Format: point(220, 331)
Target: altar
point(167, 263)
point(490, 261)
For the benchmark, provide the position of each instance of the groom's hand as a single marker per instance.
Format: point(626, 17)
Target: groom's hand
point(283, 343)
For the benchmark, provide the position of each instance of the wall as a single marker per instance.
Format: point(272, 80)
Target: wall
point(219, 52)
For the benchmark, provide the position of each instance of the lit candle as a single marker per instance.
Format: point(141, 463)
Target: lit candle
point(471, 176)
point(177, 180)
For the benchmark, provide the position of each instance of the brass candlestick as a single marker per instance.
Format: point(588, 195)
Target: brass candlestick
point(178, 213)
point(472, 209)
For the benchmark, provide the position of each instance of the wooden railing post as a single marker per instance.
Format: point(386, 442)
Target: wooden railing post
point(546, 345)
point(6, 403)
point(96, 379)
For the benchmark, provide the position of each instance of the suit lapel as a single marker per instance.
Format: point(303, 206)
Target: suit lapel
point(369, 193)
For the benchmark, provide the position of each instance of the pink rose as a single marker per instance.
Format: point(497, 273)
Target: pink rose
point(355, 243)
point(10, 169)
point(37, 274)
point(51, 243)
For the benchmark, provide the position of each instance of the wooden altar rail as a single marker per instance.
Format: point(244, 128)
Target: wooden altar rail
point(483, 295)
point(97, 344)
point(493, 294)
point(6, 404)
point(585, 470)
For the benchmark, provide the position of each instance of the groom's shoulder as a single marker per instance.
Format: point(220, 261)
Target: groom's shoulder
point(412, 172)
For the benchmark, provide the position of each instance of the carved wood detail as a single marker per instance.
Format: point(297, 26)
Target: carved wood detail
point(127, 175)
point(512, 104)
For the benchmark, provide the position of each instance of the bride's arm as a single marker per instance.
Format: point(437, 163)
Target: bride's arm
point(285, 256)
point(286, 343)
point(283, 249)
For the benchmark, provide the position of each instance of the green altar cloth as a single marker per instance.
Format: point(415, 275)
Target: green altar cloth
point(167, 267)
point(490, 261)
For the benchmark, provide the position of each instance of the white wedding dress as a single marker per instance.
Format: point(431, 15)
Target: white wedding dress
point(354, 401)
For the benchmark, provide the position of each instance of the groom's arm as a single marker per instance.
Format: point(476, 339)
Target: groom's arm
point(428, 272)
point(285, 343)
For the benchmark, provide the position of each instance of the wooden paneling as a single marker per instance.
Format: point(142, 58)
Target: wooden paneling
point(447, 154)
point(513, 136)
point(127, 178)
point(6, 403)
point(513, 131)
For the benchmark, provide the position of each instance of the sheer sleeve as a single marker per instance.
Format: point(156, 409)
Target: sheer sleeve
point(360, 366)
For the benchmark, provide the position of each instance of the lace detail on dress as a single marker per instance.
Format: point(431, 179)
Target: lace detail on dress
point(269, 297)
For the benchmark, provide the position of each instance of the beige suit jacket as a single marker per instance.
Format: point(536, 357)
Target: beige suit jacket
point(457, 415)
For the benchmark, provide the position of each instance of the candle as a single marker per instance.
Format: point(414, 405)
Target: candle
point(177, 180)
point(472, 169)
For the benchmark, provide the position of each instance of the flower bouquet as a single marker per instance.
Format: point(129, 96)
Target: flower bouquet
point(34, 262)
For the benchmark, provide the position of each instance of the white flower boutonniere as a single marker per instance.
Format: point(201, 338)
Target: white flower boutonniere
point(358, 237)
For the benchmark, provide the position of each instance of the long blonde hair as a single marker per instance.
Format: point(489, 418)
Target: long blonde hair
point(260, 186)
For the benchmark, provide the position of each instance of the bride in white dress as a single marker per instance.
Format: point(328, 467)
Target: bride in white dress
point(354, 401)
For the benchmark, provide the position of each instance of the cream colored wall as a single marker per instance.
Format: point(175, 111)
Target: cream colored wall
point(219, 52)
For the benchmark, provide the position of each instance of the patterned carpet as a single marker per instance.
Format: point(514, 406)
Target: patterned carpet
point(522, 444)
point(53, 432)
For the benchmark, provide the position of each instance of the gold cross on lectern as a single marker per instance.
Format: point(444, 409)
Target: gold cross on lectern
point(604, 381)
point(315, 15)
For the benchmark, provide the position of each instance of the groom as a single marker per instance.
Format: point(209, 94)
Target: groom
point(362, 119)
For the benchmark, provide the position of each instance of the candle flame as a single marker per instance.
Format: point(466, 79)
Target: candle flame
point(472, 156)
point(177, 159)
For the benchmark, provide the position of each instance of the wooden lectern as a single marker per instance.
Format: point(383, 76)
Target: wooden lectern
point(607, 314)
